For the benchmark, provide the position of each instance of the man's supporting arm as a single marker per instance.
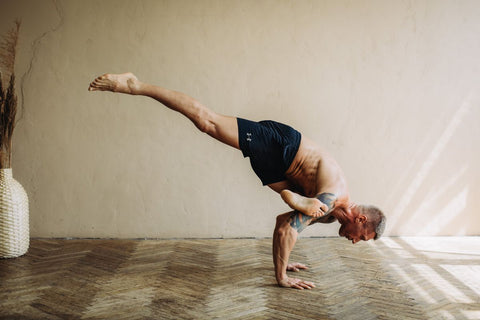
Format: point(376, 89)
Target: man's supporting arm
point(284, 237)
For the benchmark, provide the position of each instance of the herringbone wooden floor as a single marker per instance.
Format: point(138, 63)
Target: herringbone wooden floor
point(392, 278)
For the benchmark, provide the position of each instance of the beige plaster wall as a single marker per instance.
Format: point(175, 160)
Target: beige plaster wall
point(391, 88)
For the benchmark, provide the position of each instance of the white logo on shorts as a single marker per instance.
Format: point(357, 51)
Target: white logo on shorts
point(249, 136)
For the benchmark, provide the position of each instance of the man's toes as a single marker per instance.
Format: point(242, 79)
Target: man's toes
point(100, 84)
point(95, 86)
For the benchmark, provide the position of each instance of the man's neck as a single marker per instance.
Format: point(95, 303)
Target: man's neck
point(343, 215)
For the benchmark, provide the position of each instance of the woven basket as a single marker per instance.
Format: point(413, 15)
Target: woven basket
point(14, 228)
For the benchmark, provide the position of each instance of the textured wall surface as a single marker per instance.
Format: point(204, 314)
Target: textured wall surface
point(390, 88)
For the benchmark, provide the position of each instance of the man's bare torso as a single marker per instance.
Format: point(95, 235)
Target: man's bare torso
point(313, 172)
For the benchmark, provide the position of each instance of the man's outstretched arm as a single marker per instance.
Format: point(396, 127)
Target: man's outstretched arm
point(284, 237)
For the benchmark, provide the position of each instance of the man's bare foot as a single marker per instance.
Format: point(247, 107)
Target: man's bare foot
point(123, 83)
point(309, 206)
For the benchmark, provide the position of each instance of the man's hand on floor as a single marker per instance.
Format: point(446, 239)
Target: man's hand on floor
point(296, 283)
point(293, 282)
point(296, 267)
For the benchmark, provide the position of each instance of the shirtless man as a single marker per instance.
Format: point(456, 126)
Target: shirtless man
point(308, 179)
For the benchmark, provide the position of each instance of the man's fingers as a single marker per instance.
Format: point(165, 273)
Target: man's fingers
point(296, 267)
point(296, 284)
point(301, 284)
point(307, 285)
point(301, 266)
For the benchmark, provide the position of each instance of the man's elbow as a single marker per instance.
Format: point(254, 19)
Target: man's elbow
point(283, 227)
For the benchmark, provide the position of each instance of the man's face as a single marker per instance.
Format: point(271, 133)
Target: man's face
point(356, 231)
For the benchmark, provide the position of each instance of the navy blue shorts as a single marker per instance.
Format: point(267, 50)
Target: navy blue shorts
point(271, 147)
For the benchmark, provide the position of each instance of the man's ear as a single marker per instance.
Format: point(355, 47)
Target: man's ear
point(361, 218)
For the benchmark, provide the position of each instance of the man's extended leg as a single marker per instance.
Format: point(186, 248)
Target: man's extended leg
point(223, 128)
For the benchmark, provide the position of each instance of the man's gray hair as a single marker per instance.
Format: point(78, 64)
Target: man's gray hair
point(376, 219)
point(380, 227)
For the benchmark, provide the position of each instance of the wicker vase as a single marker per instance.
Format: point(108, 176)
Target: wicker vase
point(14, 228)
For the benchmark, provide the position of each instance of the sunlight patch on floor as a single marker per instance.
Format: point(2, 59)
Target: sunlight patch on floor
point(412, 283)
point(444, 289)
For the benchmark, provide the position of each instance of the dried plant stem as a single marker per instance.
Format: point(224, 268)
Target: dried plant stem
point(8, 51)
point(8, 98)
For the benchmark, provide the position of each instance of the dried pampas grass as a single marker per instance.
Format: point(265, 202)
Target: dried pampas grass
point(8, 98)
